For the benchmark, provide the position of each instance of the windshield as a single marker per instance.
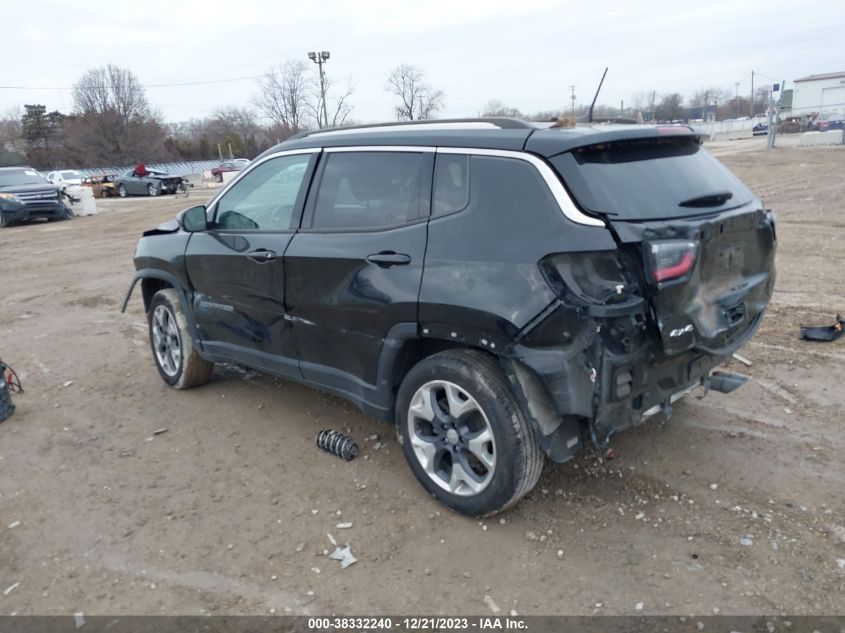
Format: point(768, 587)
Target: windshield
point(10, 177)
point(647, 179)
point(68, 175)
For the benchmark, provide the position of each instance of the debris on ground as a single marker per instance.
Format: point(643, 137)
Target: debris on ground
point(491, 604)
point(337, 444)
point(160, 431)
point(824, 333)
point(67, 383)
point(10, 589)
point(14, 524)
point(741, 359)
point(344, 526)
point(344, 555)
point(747, 541)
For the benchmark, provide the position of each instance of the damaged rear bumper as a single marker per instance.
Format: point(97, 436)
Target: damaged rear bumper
point(609, 389)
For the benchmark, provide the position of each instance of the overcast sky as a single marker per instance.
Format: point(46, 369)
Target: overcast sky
point(523, 52)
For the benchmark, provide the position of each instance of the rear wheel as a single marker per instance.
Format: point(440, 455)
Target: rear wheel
point(4, 222)
point(464, 435)
point(177, 360)
point(121, 191)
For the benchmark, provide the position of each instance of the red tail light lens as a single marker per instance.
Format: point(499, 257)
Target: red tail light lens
point(672, 259)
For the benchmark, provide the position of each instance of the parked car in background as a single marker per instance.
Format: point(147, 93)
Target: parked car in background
point(102, 185)
point(65, 178)
point(154, 183)
point(760, 128)
point(27, 195)
point(498, 292)
point(236, 164)
point(830, 121)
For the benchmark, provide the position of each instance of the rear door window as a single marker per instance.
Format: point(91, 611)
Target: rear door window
point(370, 190)
point(451, 184)
point(648, 179)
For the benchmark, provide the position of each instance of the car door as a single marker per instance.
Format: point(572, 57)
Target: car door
point(353, 270)
point(236, 267)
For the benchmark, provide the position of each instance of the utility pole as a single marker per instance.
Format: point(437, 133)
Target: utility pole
point(736, 101)
point(572, 99)
point(320, 58)
point(651, 107)
point(752, 93)
point(622, 108)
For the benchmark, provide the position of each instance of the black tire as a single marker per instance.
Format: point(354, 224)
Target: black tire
point(517, 459)
point(4, 222)
point(121, 191)
point(154, 189)
point(218, 178)
point(190, 369)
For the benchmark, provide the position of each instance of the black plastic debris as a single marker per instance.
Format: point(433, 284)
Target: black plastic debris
point(337, 444)
point(9, 382)
point(824, 333)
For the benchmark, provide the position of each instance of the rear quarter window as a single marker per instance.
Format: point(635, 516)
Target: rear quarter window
point(648, 179)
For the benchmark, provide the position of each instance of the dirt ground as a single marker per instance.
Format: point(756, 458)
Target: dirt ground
point(735, 506)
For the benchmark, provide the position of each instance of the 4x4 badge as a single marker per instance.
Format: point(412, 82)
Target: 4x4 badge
point(681, 331)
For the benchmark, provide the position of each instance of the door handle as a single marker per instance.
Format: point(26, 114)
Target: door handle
point(262, 256)
point(386, 259)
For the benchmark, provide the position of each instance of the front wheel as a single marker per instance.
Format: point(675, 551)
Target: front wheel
point(464, 435)
point(176, 357)
point(153, 189)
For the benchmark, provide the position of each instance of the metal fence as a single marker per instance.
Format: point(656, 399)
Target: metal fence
point(177, 169)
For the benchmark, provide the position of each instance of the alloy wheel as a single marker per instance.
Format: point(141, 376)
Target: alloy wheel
point(166, 340)
point(451, 438)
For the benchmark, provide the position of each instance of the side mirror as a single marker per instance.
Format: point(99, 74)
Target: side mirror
point(194, 220)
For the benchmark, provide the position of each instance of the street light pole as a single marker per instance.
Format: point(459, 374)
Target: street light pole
point(320, 58)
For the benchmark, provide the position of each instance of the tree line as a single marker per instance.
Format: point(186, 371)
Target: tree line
point(112, 121)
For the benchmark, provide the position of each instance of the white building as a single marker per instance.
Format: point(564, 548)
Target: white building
point(819, 93)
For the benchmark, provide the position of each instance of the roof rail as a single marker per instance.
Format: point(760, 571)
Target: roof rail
point(431, 124)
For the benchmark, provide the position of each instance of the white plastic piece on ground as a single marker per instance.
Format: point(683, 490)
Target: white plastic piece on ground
point(86, 205)
point(831, 137)
point(344, 555)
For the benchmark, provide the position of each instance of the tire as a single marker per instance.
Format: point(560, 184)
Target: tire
point(121, 191)
point(218, 178)
point(4, 222)
point(175, 355)
point(153, 189)
point(488, 434)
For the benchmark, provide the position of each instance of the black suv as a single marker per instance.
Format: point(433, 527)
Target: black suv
point(27, 195)
point(496, 289)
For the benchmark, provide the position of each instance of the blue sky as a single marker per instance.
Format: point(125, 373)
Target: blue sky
point(525, 53)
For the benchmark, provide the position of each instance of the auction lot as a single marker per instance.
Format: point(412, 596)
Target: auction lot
point(735, 506)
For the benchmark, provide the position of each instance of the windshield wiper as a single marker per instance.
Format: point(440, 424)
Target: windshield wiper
point(708, 200)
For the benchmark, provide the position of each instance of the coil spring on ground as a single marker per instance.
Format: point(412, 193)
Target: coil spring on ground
point(337, 444)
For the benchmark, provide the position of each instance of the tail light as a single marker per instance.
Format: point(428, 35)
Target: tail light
point(672, 259)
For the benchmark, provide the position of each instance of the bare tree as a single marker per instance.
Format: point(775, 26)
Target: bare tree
point(497, 108)
point(417, 99)
point(670, 107)
point(112, 120)
point(337, 103)
point(283, 95)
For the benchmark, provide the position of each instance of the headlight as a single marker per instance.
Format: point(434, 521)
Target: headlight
point(9, 196)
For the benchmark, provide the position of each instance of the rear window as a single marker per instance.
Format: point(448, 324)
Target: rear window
point(648, 179)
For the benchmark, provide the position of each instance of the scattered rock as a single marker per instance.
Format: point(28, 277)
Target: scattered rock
point(14, 524)
point(836, 533)
point(714, 486)
point(344, 526)
point(841, 563)
point(502, 521)
point(160, 431)
point(532, 536)
point(560, 553)
point(747, 541)
point(10, 589)
point(638, 606)
point(67, 383)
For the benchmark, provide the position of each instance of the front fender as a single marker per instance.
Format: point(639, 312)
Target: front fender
point(172, 281)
